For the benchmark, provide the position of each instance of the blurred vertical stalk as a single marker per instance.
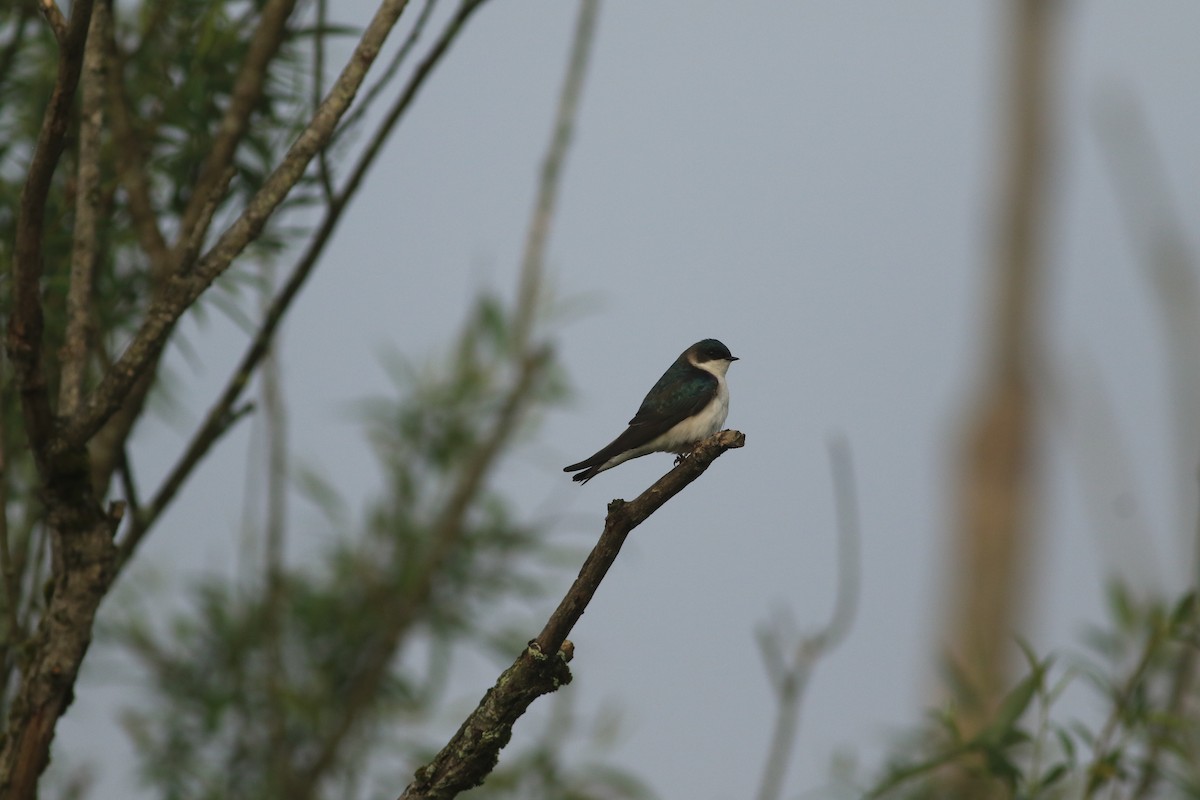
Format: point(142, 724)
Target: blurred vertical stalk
point(1170, 267)
point(1172, 271)
point(992, 531)
point(534, 257)
point(274, 415)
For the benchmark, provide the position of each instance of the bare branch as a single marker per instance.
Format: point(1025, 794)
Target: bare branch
point(389, 73)
point(25, 318)
point(107, 446)
point(84, 254)
point(129, 488)
point(790, 680)
point(183, 289)
point(541, 668)
point(144, 518)
point(622, 518)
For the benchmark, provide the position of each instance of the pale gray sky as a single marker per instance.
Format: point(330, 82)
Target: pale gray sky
point(811, 183)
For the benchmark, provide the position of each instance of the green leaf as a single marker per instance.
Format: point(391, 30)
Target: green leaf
point(1012, 708)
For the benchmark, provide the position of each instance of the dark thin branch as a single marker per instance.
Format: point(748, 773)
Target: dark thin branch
point(389, 73)
point(84, 250)
point(142, 521)
point(129, 487)
point(216, 421)
point(541, 668)
point(25, 317)
point(185, 289)
point(790, 678)
point(622, 518)
point(246, 95)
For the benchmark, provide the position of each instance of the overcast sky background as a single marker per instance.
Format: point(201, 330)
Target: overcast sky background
point(813, 183)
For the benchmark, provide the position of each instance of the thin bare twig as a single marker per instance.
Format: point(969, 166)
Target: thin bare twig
point(790, 677)
point(375, 91)
point(184, 289)
point(541, 668)
point(84, 251)
point(144, 518)
point(129, 486)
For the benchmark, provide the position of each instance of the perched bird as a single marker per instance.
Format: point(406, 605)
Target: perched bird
point(689, 403)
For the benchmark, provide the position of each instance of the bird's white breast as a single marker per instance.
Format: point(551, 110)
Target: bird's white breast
point(711, 419)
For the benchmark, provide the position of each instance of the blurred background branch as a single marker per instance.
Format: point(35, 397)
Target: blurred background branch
point(790, 658)
point(992, 539)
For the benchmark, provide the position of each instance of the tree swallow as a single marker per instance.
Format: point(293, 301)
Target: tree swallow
point(689, 403)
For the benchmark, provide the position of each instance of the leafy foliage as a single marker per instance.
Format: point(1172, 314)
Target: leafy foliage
point(286, 686)
point(366, 635)
point(171, 74)
point(1146, 744)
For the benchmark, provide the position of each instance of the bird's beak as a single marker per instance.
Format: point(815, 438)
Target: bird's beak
point(734, 358)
